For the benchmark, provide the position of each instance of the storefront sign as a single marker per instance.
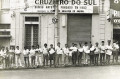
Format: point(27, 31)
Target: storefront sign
point(115, 10)
point(66, 6)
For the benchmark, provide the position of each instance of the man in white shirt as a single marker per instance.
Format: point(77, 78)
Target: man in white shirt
point(45, 55)
point(80, 54)
point(74, 53)
point(11, 56)
point(115, 51)
point(102, 53)
point(32, 57)
point(108, 51)
point(66, 53)
point(86, 52)
point(26, 57)
point(18, 57)
point(38, 51)
point(2, 56)
point(59, 53)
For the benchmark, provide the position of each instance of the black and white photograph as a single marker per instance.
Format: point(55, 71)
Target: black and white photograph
point(59, 39)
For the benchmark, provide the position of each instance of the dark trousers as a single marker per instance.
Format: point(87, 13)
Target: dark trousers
point(52, 58)
point(107, 59)
point(32, 61)
point(26, 61)
point(80, 57)
point(45, 59)
point(91, 59)
point(7, 64)
point(115, 56)
point(96, 56)
point(74, 58)
point(102, 58)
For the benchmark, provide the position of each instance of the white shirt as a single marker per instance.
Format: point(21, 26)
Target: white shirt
point(17, 51)
point(102, 49)
point(45, 50)
point(66, 51)
point(59, 50)
point(86, 49)
point(32, 52)
point(97, 50)
point(3, 52)
point(51, 51)
point(70, 53)
point(92, 48)
point(74, 49)
point(81, 49)
point(115, 46)
point(109, 50)
point(11, 51)
point(25, 52)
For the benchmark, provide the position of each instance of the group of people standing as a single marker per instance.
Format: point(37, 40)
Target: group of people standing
point(84, 54)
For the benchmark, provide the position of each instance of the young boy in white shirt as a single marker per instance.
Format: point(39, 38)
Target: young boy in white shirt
point(45, 55)
point(74, 53)
point(108, 51)
point(102, 53)
point(38, 51)
point(66, 53)
point(80, 54)
point(115, 51)
point(2, 56)
point(86, 52)
point(32, 56)
point(59, 53)
point(11, 56)
point(26, 57)
point(52, 55)
point(18, 57)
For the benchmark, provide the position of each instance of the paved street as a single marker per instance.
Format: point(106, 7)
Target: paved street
point(99, 72)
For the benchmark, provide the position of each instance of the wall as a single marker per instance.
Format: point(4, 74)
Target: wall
point(95, 36)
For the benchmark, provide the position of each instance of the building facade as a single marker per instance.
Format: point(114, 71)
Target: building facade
point(32, 22)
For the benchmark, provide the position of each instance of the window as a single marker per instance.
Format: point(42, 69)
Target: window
point(5, 33)
point(34, 19)
point(5, 4)
point(4, 26)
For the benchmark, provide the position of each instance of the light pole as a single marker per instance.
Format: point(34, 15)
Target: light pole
point(55, 19)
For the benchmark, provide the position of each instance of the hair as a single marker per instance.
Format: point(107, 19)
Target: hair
point(51, 44)
point(102, 41)
point(86, 43)
point(45, 44)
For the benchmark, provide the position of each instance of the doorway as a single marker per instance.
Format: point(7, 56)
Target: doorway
point(31, 35)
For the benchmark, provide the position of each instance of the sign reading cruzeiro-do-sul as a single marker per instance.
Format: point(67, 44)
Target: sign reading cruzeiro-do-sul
point(115, 10)
point(67, 6)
